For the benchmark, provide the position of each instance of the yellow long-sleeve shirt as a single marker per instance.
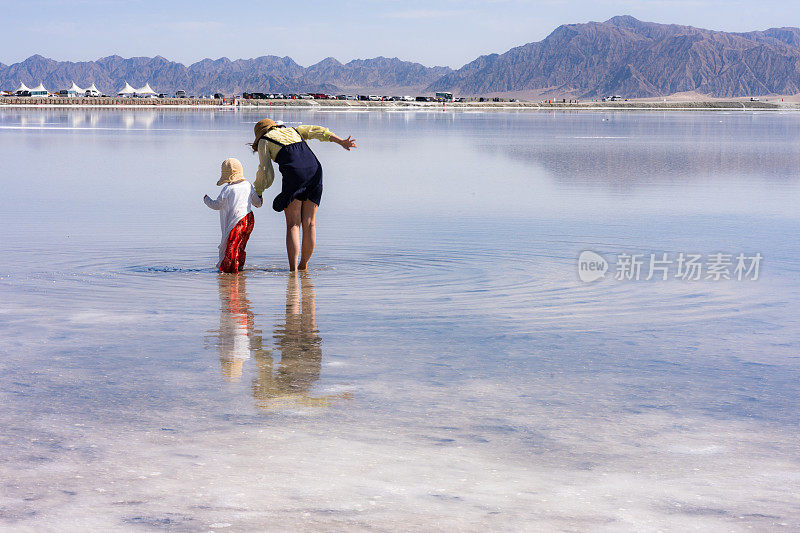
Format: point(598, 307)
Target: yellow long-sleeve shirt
point(268, 151)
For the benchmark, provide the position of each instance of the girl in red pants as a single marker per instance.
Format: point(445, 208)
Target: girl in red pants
point(235, 205)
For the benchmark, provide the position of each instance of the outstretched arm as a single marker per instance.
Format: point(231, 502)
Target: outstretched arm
point(324, 134)
point(344, 143)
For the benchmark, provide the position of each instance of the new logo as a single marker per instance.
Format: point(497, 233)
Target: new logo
point(591, 266)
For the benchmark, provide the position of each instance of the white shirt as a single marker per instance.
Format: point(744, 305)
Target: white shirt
point(234, 202)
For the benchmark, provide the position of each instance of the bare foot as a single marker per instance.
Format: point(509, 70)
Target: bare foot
point(302, 266)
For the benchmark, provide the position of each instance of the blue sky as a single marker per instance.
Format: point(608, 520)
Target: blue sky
point(431, 32)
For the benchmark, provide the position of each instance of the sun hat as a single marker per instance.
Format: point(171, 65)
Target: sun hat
point(231, 171)
point(262, 127)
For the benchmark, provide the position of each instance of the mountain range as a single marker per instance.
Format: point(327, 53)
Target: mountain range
point(622, 55)
point(629, 57)
point(262, 74)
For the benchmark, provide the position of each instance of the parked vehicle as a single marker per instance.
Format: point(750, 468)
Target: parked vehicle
point(180, 94)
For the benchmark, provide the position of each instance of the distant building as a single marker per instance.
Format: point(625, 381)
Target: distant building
point(92, 91)
point(145, 91)
point(126, 91)
point(23, 89)
point(444, 97)
point(75, 91)
point(39, 90)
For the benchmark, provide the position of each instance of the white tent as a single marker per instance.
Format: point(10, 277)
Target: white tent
point(145, 91)
point(127, 90)
point(39, 90)
point(75, 90)
point(22, 87)
point(92, 91)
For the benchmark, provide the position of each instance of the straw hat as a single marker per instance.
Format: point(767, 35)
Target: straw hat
point(262, 126)
point(231, 171)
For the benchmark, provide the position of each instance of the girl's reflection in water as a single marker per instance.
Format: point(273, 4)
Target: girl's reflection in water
point(237, 333)
point(289, 382)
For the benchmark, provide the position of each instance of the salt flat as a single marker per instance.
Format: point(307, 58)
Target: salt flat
point(442, 366)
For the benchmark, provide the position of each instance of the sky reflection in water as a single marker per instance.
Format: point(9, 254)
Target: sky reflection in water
point(440, 363)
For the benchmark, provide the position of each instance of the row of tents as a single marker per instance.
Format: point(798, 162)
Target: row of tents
point(40, 90)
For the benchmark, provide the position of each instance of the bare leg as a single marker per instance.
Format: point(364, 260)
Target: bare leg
point(292, 213)
point(308, 215)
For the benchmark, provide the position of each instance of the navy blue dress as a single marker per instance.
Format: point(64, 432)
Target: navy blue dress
point(301, 174)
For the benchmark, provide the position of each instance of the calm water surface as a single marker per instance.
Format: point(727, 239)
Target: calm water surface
point(440, 367)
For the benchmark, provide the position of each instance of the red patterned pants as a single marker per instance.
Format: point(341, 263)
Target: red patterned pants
point(237, 240)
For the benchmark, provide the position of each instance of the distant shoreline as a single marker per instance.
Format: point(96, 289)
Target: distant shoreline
point(241, 104)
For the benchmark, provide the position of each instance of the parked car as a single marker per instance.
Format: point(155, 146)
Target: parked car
point(180, 94)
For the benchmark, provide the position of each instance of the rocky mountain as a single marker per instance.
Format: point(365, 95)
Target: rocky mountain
point(377, 73)
point(788, 36)
point(261, 74)
point(629, 57)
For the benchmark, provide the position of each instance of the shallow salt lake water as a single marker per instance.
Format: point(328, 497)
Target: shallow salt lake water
point(441, 366)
